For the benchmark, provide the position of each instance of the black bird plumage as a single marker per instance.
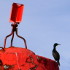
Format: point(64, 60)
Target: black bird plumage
point(56, 54)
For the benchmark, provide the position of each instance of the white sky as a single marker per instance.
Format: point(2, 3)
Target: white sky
point(44, 23)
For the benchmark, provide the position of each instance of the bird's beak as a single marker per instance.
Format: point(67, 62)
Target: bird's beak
point(59, 44)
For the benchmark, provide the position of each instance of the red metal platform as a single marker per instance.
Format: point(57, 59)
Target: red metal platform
point(15, 58)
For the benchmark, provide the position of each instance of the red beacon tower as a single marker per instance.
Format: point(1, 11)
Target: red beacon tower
point(17, 58)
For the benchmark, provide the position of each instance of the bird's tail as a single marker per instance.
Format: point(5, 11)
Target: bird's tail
point(58, 63)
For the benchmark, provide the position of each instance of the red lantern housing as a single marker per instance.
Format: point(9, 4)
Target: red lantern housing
point(16, 12)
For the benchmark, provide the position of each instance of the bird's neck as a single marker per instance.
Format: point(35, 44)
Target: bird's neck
point(54, 48)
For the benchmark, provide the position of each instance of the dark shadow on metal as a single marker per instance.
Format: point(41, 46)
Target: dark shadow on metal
point(14, 30)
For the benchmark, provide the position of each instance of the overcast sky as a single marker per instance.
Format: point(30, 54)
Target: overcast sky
point(44, 23)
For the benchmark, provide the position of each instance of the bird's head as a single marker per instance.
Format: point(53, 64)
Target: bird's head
point(56, 44)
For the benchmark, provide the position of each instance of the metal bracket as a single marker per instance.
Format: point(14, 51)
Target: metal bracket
point(14, 30)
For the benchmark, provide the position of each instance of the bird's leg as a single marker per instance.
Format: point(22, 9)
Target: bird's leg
point(21, 38)
point(58, 62)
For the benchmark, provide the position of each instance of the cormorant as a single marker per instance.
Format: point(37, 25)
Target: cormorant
point(55, 53)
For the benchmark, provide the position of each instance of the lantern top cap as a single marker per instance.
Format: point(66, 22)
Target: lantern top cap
point(18, 4)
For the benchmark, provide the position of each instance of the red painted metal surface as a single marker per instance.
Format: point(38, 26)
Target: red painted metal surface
point(16, 12)
point(15, 58)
